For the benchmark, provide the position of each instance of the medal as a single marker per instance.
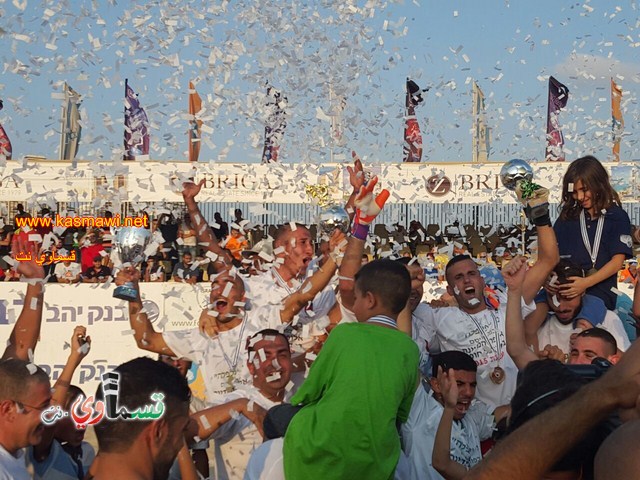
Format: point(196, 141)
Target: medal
point(231, 380)
point(497, 375)
point(592, 251)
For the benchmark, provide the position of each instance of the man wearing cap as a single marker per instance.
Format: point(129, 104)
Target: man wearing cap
point(256, 258)
point(97, 273)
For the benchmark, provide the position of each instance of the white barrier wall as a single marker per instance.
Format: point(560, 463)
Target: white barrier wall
point(172, 305)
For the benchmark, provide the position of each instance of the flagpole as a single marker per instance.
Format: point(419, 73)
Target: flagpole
point(474, 113)
point(63, 124)
point(332, 127)
point(126, 87)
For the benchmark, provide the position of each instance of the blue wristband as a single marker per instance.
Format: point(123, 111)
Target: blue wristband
point(360, 231)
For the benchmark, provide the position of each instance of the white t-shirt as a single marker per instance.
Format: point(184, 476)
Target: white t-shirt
point(13, 468)
point(216, 357)
point(419, 434)
point(269, 289)
point(552, 332)
point(422, 323)
point(482, 336)
point(236, 440)
point(70, 272)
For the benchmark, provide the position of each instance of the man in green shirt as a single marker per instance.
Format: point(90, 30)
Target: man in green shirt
point(358, 390)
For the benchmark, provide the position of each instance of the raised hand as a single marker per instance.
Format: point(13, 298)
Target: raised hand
point(368, 206)
point(448, 387)
point(190, 189)
point(356, 173)
point(514, 272)
point(78, 341)
point(208, 324)
point(27, 268)
point(127, 274)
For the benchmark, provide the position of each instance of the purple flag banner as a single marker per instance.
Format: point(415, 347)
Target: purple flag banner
point(558, 97)
point(136, 126)
point(5, 144)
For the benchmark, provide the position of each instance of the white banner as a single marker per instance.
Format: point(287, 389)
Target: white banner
point(173, 306)
point(468, 183)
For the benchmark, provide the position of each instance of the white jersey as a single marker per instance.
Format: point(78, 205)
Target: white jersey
point(236, 440)
point(268, 288)
point(419, 434)
point(552, 332)
point(482, 336)
point(222, 360)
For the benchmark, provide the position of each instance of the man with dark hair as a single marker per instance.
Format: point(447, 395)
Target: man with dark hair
point(97, 273)
point(238, 435)
point(25, 392)
point(587, 345)
point(565, 314)
point(449, 406)
point(477, 328)
point(136, 448)
point(359, 387)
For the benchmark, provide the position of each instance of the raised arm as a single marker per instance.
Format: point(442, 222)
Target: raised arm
point(530, 451)
point(441, 457)
point(367, 209)
point(26, 331)
point(213, 418)
point(80, 346)
point(356, 179)
point(204, 233)
point(317, 282)
point(146, 337)
point(514, 274)
point(536, 207)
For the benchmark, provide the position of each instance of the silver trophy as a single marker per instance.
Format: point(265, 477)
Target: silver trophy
point(130, 243)
point(333, 217)
point(515, 171)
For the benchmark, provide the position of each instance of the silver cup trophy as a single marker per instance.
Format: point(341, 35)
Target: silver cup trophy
point(514, 172)
point(130, 243)
point(331, 216)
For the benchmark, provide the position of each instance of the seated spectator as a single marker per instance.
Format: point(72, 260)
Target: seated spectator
point(185, 271)
point(67, 271)
point(630, 273)
point(236, 243)
point(143, 449)
point(187, 238)
point(153, 270)
point(97, 273)
point(91, 246)
point(220, 227)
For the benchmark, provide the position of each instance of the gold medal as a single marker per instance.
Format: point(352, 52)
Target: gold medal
point(497, 375)
point(592, 271)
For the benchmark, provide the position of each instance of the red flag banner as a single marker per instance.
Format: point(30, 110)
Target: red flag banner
point(195, 105)
point(5, 143)
point(136, 126)
point(558, 97)
point(276, 123)
point(412, 147)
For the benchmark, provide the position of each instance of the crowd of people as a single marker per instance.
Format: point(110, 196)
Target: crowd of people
point(321, 362)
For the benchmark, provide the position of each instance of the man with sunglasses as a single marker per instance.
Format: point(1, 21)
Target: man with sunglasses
point(25, 392)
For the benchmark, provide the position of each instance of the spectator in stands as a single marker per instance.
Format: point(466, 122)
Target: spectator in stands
point(168, 228)
point(90, 249)
point(168, 257)
point(185, 271)
point(153, 271)
point(20, 214)
point(220, 227)
point(237, 216)
point(6, 236)
point(187, 239)
point(630, 273)
point(97, 273)
point(236, 243)
point(67, 271)
point(143, 449)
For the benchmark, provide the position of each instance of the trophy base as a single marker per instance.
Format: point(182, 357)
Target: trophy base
point(126, 292)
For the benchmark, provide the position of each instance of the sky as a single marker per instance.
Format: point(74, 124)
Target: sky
point(360, 51)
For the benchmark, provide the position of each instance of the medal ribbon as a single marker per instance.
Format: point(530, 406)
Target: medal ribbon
point(596, 241)
point(232, 366)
